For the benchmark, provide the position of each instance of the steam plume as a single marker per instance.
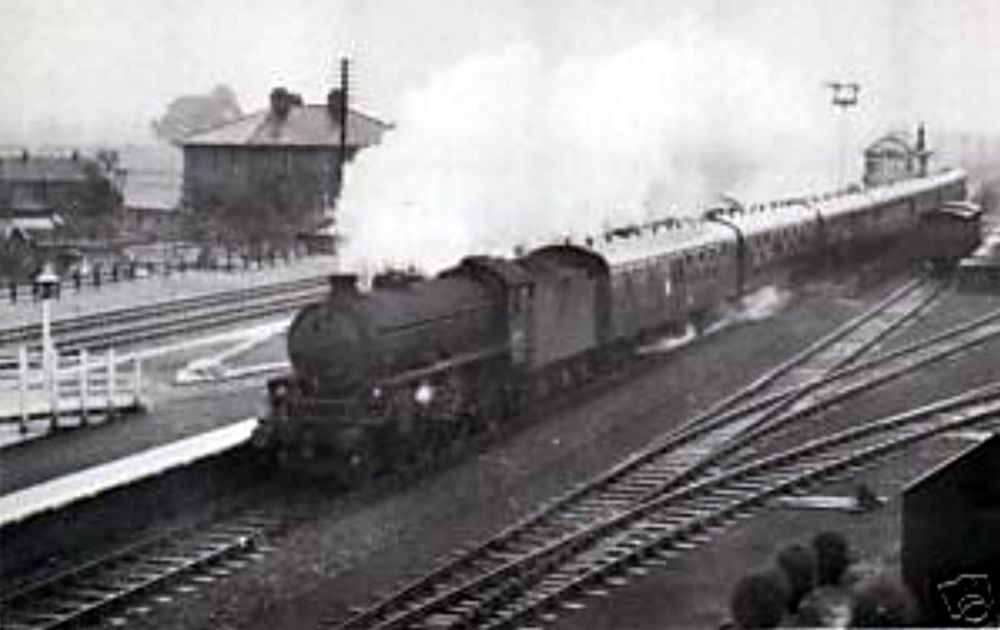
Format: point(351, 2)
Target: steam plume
point(517, 148)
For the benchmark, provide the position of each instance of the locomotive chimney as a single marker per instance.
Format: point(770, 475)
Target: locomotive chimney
point(396, 279)
point(344, 284)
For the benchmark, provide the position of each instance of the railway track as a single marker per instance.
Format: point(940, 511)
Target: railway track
point(151, 321)
point(790, 391)
point(554, 575)
point(111, 587)
point(127, 581)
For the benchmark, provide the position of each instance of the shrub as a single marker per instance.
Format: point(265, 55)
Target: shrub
point(833, 555)
point(759, 600)
point(882, 602)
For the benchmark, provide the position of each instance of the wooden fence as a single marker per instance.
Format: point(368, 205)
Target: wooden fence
point(79, 387)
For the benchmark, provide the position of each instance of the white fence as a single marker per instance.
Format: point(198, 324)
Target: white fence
point(77, 387)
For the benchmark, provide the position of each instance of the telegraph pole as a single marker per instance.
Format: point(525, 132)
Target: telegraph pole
point(345, 78)
point(844, 95)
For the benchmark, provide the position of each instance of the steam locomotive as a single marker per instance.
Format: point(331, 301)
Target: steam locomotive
point(392, 377)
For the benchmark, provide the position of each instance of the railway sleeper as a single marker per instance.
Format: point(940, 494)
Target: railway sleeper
point(139, 578)
point(685, 512)
point(64, 606)
point(33, 618)
point(540, 536)
point(656, 528)
point(745, 487)
point(649, 475)
point(737, 491)
point(88, 592)
point(683, 544)
point(79, 601)
point(574, 520)
point(621, 500)
point(440, 621)
point(716, 503)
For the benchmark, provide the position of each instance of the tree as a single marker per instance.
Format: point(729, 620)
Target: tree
point(189, 114)
point(93, 208)
point(252, 216)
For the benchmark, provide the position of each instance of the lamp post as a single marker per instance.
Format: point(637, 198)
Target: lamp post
point(47, 284)
point(844, 95)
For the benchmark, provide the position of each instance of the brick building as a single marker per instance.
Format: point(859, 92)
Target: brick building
point(292, 144)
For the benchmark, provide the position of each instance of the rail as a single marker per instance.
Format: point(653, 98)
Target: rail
point(656, 530)
point(141, 323)
point(815, 379)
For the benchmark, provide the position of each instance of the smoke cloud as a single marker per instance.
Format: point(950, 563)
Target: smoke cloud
point(517, 148)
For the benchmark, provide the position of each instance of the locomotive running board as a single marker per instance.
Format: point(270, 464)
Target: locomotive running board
point(446, 364)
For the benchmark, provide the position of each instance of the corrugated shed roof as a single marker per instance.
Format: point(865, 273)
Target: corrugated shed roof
point(307, 125)
point(43, 168)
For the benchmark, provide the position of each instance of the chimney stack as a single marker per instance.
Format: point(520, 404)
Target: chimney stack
point(281, 102)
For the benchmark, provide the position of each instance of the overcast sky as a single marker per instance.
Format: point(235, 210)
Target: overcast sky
point(100, 70)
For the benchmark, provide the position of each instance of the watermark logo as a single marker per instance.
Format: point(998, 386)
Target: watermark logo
point(968, 598)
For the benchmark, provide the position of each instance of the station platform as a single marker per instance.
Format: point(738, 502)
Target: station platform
point(70, 451)
point(61, 491)
point(141, 291)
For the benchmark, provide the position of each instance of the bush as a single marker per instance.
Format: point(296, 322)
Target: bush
point(882, 602)
point(833, 556)
point(759, 600)
point(798, 563)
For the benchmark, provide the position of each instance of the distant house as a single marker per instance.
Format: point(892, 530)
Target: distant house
point(40, 193)
point(152, 192)
point(291, 142)
point(892, 158)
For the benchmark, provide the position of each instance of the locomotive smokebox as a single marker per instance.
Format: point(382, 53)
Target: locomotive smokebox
point(344, 284)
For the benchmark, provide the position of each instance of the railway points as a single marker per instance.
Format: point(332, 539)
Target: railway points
point(788, 394)
point(643, 477)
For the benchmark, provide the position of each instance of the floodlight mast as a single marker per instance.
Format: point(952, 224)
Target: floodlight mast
point(844, 96)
